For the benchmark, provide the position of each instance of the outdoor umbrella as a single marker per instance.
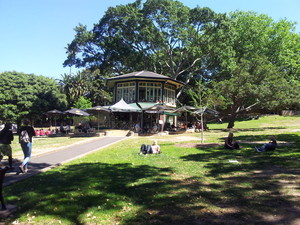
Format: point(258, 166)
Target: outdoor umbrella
point(207, 110)
point(97, 109)
point(186, 109)
point(53, 113)
point(76, 112)
point(157, 108)
point(195, 110)
point(201, 111)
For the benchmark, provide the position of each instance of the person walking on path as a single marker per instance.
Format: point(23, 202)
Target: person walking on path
point(6, 137)
point(25, 138)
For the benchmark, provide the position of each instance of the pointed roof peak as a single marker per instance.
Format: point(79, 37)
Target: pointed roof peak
point(143, 75)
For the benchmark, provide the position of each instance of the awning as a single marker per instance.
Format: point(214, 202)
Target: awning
point(122, 106)
point(146, 105)
point(134, 105)
point(154, 107)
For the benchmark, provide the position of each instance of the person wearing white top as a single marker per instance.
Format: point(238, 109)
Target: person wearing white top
point(155, 147)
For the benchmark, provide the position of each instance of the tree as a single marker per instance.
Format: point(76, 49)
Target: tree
point(253, 83)
point(74, 86)
point(163, 36)
point(27, 95)
point(87, 84)
point(258, 74)
point(83, 103)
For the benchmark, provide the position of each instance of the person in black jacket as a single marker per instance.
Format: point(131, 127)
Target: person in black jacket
point(25, 138)
point(6, 137)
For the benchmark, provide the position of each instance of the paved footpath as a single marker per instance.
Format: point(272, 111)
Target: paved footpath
point(54, 158)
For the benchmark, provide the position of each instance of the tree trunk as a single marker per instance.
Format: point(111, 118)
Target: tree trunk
point(19, 123)
point(231, 120)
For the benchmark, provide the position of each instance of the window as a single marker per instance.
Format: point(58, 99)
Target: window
point(169, 95)
point(126, 91)
point(150, 91)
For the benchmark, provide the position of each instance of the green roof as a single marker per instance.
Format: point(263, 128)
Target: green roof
point(134, 105)
point(146, 105)
point(170, 114)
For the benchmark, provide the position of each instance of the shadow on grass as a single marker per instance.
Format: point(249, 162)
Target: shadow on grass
point(266, 185)
point(248, 129)
point(70, 193)
point(228, 193)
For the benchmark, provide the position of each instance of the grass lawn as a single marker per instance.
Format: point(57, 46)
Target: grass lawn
point(42, 144)
point(188, 183)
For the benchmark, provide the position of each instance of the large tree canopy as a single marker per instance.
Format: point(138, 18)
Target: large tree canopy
point(265, 72)
point(27, 95)
point(163, 36)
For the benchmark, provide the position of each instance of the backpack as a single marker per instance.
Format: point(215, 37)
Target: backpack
point(24, 137)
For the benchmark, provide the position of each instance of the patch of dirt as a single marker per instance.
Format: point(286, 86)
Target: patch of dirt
point(181, 138)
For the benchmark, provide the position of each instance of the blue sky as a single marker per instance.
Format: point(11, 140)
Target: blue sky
point(34, 33)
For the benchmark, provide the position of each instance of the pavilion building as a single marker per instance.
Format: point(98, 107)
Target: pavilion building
point(144, 89)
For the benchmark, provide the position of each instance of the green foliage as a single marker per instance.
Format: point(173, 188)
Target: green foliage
point(27, 95)
point(85, 83)
point(83, 103)
point(162, 36)
point(257, 76)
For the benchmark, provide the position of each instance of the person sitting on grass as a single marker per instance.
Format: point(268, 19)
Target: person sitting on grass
point(42, 132)
point(137, 127)
point(37, 133)
point(271, 146)
point(150, 149)
point(48, 132)
point(155, 147)
point(229, 144)
point(62, 129)
point(154, 128)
